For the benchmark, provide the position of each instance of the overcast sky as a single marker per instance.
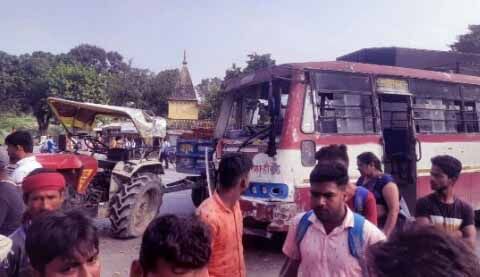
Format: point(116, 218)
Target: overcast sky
point(218, 33)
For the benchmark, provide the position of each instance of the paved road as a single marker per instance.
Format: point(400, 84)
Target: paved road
point(263, 257)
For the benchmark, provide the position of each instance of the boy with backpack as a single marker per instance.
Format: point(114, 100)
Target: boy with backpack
point(330, 239)
point(359, 199)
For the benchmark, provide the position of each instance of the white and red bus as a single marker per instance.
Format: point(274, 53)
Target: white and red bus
point(282, 115)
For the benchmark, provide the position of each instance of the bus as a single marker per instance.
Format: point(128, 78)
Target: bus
point(280, 116)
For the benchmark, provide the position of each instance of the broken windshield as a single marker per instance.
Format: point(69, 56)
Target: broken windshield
point(250, 112)
point(251, 115)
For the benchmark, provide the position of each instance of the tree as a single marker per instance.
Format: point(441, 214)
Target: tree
point(97, 58)
point(256, 62)
point(233, 72)
point(162, 85)
point(90, 56)
point(470, 42)
point(78, 83)
point(74, 82)
point(11, 99)
point(129, 86)
point(211, 95)
point(33, 71)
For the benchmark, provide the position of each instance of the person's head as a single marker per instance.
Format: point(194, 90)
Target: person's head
point(63, 244)
point(368, 163)
point(327, 191)
point(422, 251)
point(233, 172)
point(19, 144)
point(333, 152)
point(174, 246)
point(444, 172)
point(43, 190)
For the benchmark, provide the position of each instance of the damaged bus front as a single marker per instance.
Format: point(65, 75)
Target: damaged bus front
point(253, 120)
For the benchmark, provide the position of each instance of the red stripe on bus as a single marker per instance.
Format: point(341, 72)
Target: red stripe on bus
point(289, 143)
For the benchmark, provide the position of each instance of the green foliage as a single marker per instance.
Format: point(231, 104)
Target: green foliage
point(10, 80)
point(97, 58)
point(162, 86)
point(129, 86)
point(33, 71)
point(78, 83)
point(10, 121)
point(90, 73)
point(211, 94)
point(470, 42)
point(256, 62)
point(233, 72)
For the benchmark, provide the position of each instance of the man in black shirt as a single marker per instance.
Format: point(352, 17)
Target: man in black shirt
point(11, 203)
point(442, 208)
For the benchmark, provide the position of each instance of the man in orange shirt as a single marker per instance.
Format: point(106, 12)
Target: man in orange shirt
point(222, 213)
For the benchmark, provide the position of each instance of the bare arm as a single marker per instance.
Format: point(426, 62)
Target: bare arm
point(391, 195)
point(289, 268)
point(469, 234)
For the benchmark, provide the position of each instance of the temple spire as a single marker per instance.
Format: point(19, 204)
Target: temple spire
point(184, 89)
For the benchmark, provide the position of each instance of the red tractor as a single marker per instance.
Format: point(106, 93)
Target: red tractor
point(123, 184)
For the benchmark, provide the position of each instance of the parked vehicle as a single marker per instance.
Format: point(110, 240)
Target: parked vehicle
point(108, 180)
point(281, 115)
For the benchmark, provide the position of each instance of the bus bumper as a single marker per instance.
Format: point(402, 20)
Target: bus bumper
point(263, 218)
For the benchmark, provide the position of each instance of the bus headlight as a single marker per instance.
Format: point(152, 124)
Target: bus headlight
point(308, 152)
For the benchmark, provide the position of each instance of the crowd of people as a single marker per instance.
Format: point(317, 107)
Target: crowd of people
point(352, 229)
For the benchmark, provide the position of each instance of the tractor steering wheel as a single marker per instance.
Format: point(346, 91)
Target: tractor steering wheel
point(95, 145)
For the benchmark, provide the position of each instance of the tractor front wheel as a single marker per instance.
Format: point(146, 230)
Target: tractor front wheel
point(135, 205)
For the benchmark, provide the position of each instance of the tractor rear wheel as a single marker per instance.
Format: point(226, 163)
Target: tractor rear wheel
point(135, 205)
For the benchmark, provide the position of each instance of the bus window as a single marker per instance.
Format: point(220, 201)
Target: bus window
point(436, 115)
point(437, 107)
point(470, 117)
point(344, 113)
point(471, 97)
point(343, 103)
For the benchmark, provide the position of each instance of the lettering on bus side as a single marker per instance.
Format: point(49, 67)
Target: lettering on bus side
point(264, 165)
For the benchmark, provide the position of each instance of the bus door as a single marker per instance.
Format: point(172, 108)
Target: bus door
point(399, 157)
